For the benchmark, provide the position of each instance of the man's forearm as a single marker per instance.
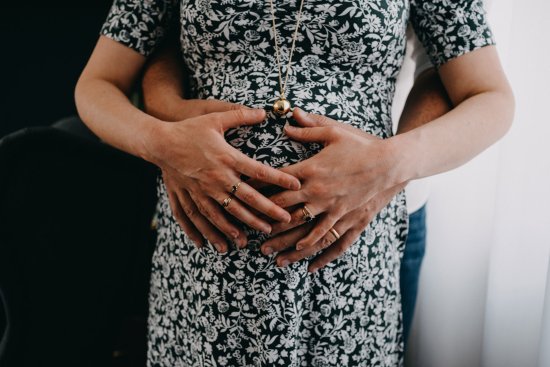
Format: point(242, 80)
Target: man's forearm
point(162, 84)
point(427, 101)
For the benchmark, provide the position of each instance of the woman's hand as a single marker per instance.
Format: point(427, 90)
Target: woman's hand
point(348, 228)
point(351, 169)
point(202, 169)
point(194, 224)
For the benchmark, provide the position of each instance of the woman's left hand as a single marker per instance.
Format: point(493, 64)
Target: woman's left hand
point(345, 175)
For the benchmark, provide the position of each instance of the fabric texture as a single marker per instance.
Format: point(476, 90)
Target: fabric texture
point(240, 309)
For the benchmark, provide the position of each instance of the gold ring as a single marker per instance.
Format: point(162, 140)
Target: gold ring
point(235, 187)
point(334, 233)
point(227, 201)
point(308, 216)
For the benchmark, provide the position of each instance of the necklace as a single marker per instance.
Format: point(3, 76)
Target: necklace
point(282, 105)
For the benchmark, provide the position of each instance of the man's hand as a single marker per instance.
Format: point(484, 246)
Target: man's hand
point(349, 228)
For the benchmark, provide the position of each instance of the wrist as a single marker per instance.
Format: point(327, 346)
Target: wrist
point(404, 158)
point(153, 142)
point(168, 107)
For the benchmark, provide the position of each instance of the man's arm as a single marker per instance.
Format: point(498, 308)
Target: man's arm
point(164, 89)
point(162, 85)
point(426, 101)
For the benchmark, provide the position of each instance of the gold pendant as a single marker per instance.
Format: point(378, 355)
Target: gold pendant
point(281, 106)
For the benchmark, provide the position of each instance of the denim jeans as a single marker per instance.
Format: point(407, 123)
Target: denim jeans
point(410, 266)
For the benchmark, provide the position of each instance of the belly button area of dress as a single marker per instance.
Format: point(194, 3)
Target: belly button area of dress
point(272, 116)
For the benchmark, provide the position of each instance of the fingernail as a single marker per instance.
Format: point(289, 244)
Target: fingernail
point(300, 246)
point(267, 250)
point(284, 263)
point(286, 218)
point(267, 229)
point(243, 242)
point(220, 248)
point(312, 269)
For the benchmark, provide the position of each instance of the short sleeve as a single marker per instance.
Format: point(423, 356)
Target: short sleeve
point(418, 53)
point(450, 28)
point(140, 24)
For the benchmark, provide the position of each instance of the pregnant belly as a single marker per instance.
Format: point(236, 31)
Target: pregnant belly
point(267, 143)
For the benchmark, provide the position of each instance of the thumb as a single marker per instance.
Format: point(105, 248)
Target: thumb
point(239, 117)
point(310, 119)
point(307, 134)
point(216, 105)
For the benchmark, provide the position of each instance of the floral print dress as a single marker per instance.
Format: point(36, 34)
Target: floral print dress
point(240, 309)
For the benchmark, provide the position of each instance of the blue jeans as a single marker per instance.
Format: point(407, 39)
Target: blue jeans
point(410, 266)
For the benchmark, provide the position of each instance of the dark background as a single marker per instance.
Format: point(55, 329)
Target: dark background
point(45, 46)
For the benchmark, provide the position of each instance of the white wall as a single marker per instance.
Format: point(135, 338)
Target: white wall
point(482, 290)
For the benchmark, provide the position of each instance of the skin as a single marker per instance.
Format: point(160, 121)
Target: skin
point(193, 152)
point(477, 87)
point(426, 101)
point(457, 137)
point(475, 84)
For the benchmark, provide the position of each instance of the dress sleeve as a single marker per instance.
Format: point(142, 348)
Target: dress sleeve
point(140, 24)
point(450, 28)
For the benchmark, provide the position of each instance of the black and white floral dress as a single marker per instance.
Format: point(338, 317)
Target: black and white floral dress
point(240, 309)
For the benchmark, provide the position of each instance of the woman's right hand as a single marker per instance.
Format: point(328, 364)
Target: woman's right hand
point(201, 168)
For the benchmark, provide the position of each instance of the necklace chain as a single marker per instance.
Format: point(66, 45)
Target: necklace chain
point(282, 85)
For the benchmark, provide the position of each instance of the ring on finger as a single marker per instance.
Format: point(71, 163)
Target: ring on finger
point(307, 214)
point(235, 187)
point(227, 201)
point(335, 233)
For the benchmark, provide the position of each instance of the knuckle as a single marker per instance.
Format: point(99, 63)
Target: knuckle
point(325, 242)
point(323, 120)
point(319, 232)
point(279, 245)
point(333, 130)
point(228, 160)
point(239, 113)
point(317, 189)
point(214, 216)
point(211, 175)
point(231, 209)
point(202, 209)
point(309, 171)
point(189, 211)
point(261, 173)
point(279, 201)
point(248, 197)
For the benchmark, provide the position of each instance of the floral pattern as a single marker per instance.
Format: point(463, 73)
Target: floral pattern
point(240, 309)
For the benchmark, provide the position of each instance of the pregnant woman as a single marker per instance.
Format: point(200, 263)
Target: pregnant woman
point(213, 304)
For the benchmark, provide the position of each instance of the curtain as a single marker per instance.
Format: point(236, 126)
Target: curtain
point(484, 292)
